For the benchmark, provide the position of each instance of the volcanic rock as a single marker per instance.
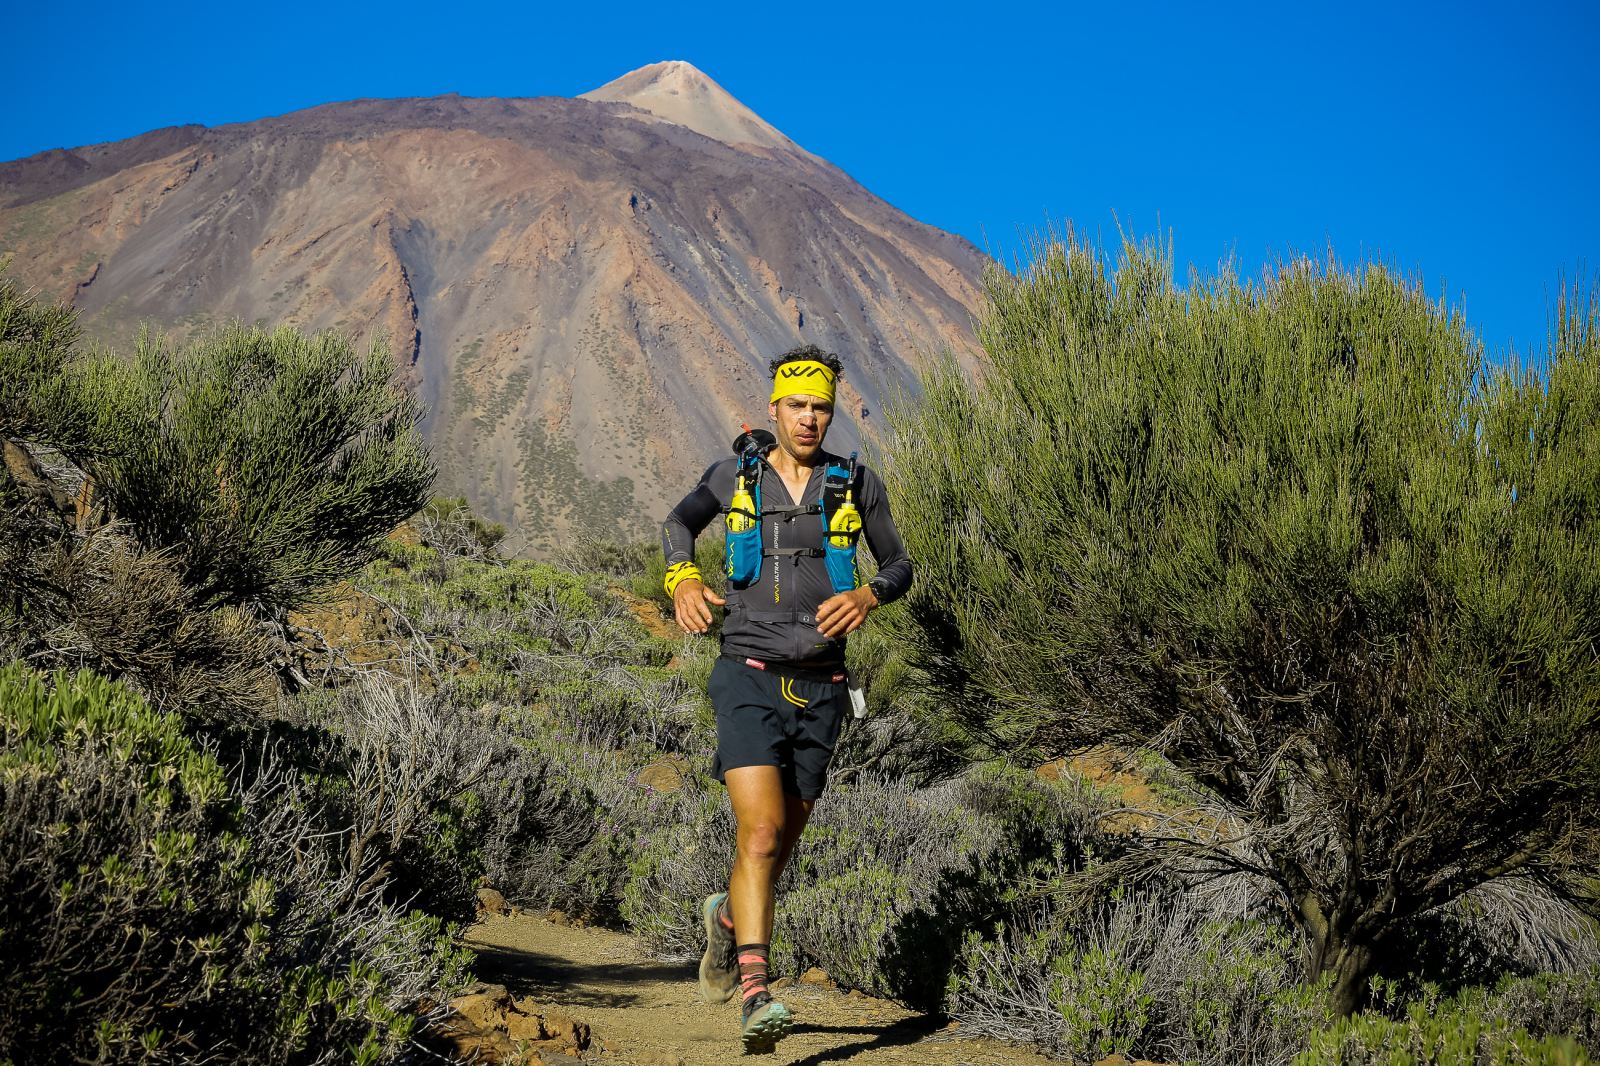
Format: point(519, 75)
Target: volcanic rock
point(585, 292)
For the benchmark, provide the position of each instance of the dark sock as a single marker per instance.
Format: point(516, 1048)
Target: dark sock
point(753, 976)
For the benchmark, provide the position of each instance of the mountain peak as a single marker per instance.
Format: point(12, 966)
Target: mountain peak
point(678, 92)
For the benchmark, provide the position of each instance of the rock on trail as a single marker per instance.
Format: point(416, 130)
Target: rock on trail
point(563, 980)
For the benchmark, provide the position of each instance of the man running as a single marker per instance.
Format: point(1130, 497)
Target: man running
point(779, 687)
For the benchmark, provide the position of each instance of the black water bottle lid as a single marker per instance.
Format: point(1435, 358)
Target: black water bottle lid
point(760, 439)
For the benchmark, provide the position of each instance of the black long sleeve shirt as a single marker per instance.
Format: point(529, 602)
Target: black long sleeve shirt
point(774, 619)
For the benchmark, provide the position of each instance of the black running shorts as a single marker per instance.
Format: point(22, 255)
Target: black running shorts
point(768, 718)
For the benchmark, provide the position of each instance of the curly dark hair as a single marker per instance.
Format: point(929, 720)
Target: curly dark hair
point(808, 352)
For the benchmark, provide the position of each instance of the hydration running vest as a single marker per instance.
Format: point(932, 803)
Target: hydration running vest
point(841, 522)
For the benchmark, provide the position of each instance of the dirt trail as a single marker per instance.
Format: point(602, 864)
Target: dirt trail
point(647, 1013)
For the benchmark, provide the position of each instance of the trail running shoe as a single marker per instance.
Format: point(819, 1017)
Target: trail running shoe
point(766, 1021)
point(719, 966)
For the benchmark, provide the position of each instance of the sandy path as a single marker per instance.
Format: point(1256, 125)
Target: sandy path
point(648, 1013)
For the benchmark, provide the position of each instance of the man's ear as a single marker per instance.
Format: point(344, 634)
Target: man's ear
point(772, 411)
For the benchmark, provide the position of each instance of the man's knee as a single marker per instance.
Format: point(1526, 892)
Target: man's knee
point(762, 840)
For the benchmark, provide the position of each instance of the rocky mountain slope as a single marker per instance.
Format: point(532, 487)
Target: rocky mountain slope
point(585, 291)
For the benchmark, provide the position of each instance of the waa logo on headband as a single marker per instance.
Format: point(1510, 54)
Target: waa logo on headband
point(804, 370)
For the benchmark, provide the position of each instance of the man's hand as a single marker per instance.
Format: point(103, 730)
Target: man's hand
point(689, 602)
point(845, 612)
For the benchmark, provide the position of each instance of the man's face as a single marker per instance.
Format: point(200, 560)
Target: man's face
point(802, 422)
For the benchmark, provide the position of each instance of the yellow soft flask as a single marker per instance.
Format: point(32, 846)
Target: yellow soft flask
point(742, 546)
point(842, 524)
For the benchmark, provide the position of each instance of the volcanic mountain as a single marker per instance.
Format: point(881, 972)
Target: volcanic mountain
point(584, 291)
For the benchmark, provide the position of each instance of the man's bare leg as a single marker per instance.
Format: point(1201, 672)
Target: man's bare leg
point(769, 826)
point(756, 793)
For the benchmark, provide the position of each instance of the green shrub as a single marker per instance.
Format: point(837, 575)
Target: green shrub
point(441, 795)
point(545, 843)
point(403, 770)
point(1546, 1005)
point(890, 876)
point(904, 734)
point(442, 594)
point(1163, 973)
point(518, 586)
point(541, 636)
point(70, 599)
point(619, 708)
point(593, 555)
point(37, 405)
point(1102, 1002)
point(447, 524)
point(271, 463)
point(1001, 984)
point(347, 975)
point(1506, 928)
point(1234, 995)
point(127, 895)
point(151, 913)
point(73, 591)
point(555, 828)
point(1424, 1038)
point(489, 687)
point(565, 675)
point(1297, 537)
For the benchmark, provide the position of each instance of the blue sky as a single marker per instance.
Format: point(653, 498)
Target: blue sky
point(1459, 144)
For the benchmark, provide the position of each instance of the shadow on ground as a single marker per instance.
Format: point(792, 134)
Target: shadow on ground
point(527, 973)
point(896, 1034)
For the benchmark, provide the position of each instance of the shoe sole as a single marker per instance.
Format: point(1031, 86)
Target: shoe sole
point(709, 990)
point(761, 1034)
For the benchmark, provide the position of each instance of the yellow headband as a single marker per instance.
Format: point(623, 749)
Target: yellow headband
point(811, 378)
